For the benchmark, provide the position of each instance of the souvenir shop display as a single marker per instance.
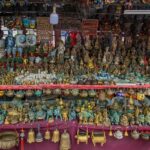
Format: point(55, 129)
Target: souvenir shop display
point(80, 81)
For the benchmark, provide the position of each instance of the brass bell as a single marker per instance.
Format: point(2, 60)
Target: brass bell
point(56, 136)
point(47, 135)
point(65, 142)
point(31, 136)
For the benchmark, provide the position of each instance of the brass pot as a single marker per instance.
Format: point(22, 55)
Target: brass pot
point(2, 93)
point(9, 93)
point(48, 92)
point(66, 92)
point(8, 140)
point(135, 135)
point(29, 93)
point(84, 93)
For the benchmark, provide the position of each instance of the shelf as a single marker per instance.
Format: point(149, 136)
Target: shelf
point(73, 86)
point(70, 124)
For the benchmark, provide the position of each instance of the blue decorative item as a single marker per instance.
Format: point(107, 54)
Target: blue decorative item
point(26, 22)
point(57, 113)
point(20, 50)
point(31, 39)
point(54, 16)
point(20, 39)
point(39, 137)
point(32, 23)
point(9, 42)
point(14, 50)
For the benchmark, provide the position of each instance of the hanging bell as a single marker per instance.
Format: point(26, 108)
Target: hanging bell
point(110, 132)
point(65, 142)
point(31, 136)
point(55, 137)
point(39, 137)
point(126, 133)
point(47, 135)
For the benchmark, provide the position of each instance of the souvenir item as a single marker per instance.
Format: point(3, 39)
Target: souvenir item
point(98, 137)
point(32, 23)
point(2, 93)
point(9, 93)
point(8, 140)
point(56, 136)
point(39, 137)
point(145, 136)
point(65, 143)
point(31, 136)
point(29, 93)
point(26, 22)
point(9, 42)
point(47, 135)
point(82, 137)
point(31, 38)
point(20, 39)
point(135, 134)
point(8, 3)
point(118, 135)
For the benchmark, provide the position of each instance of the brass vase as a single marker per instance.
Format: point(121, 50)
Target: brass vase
point(65, 143)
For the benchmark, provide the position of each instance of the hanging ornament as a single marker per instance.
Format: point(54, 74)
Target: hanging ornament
point(65, 143)
point(54, 16)
point(47, 135)
point(110, 132)
point(56, 136)
point(126, 133)
point(39, 137)
point(31, 136)
point(22, 135)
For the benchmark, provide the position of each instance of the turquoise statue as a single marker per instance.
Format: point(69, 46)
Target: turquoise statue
point(9, 42)
point(57, 113)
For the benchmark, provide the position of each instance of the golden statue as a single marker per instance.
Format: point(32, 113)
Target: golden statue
point(56, 136)
point(31, 136)
point(47, 135)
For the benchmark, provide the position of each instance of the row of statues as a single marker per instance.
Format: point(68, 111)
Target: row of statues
point(106, 110)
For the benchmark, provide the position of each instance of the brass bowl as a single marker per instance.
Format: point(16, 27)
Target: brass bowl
point(8, 140)
point(29, 93)
point(9, 93)
point(2, 93)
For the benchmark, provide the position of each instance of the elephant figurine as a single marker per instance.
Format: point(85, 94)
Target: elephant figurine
point(115, 118)
point(31, 115)
point(57, 113)
point(9, 42)
point(72, 115)
point(49, 114)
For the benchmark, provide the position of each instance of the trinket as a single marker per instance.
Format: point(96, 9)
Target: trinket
point(98, 137)
point(65, 143)
point(31, 136)
point(56, 136)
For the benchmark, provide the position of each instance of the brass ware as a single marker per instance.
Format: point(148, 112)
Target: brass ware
point(9, 93)
point(2, 93)
point(65, 143)
point(47, 135)
point(98, 137)
point(140, 96)
point(82, 137)
point(31, 136)
point(56, 136)
point(29, 93)
point(135, 135)
point(8, 140)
